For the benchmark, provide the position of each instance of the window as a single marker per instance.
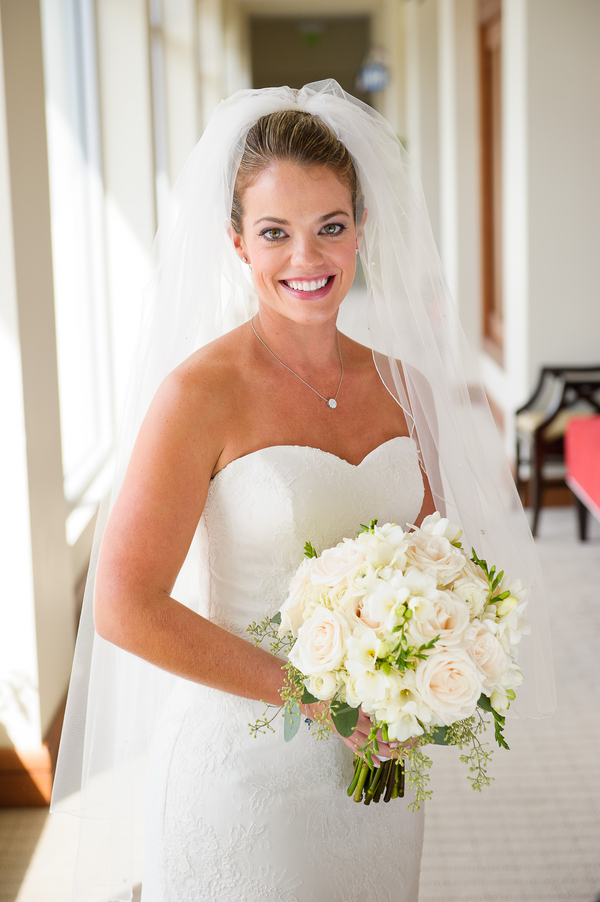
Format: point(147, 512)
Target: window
point(76, 200)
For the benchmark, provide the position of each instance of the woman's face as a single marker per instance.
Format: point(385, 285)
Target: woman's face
point(300, 237)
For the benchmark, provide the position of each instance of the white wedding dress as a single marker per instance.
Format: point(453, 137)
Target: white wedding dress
point(231, 818)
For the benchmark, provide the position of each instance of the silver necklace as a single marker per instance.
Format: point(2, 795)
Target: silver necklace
point(331, 402)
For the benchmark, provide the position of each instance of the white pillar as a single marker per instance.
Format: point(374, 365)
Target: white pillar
point(129, 182)
point(422, 113)
point(460, 242)
point(37, 611)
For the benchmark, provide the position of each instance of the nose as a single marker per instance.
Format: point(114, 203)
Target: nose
point(306, 251)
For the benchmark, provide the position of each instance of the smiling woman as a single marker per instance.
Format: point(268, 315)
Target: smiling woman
point(241, 457)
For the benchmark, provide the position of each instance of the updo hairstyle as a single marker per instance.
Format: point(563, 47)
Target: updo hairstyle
point(297, 137)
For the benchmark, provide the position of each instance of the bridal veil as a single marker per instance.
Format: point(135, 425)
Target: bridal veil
point(199, 290)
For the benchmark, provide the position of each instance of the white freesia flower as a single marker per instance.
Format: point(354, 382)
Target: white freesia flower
point(436, 525)
point(371, 684)
point(323, 685)
point(514, 586)
point(510, 628)
point(336, 565)
point(447, 616)
point(291, 610)
point(385, 546)
point(449, 684)
point(363, 648)
point(513, 677)
point(473, 587)
point(387, 599)
point(321, 642)
point(403, 708)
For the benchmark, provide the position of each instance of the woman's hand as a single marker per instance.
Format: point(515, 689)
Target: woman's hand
point(359, 737)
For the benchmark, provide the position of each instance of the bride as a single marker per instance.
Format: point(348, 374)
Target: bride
point(271, 426)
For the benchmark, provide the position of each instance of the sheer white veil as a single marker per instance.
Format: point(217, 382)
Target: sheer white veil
point(199, 290)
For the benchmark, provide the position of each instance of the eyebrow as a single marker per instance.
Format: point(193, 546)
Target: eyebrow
point(286, 222)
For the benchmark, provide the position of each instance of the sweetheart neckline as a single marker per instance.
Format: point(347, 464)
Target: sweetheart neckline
point(313, 448)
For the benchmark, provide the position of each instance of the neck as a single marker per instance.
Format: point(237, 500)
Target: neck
point(308, 347)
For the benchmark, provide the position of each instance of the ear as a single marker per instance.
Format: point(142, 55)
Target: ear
point(238, 243)
point(361, 226)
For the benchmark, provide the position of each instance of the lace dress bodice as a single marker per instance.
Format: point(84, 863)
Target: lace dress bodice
point(240, 819)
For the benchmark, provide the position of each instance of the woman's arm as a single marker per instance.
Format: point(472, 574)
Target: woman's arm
point(148, 536)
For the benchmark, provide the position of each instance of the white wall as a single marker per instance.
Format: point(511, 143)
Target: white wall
point(551, 194)
point(563, 40)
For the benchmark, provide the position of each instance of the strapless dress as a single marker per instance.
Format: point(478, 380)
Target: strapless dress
point(232, 818)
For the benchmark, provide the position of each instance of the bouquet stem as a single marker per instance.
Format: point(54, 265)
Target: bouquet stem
point(370, 784)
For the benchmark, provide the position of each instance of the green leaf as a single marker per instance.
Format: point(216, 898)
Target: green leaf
point(441, 735)
point(291, 722)
point(308, 698)
point(276, 618)
point(344, 718)
point(309, 551)
point(370, 528)
point(485, 703)
point(499, 721)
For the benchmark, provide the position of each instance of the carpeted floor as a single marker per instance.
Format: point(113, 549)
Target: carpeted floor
point(533, 835)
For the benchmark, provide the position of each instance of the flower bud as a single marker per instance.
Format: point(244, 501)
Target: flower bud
point(384, 650)
point(506, 606)
point(499, 700)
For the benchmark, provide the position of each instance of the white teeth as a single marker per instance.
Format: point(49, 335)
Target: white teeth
point(308, 286)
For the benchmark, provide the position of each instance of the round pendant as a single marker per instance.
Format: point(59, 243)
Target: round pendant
point(332, 403)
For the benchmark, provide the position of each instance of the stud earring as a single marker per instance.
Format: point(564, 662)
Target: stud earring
point(244, 260)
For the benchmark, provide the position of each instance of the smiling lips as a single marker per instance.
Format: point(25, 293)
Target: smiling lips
point(315, 287)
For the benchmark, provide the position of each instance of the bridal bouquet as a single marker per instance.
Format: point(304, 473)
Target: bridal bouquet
point(407, 627)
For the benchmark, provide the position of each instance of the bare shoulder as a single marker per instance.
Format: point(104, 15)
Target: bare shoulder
point(203, 392)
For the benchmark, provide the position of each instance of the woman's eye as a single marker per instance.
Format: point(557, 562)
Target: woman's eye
point(273, 234)
point(334, 228)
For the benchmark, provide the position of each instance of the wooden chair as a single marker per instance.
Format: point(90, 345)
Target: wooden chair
point(562, 392)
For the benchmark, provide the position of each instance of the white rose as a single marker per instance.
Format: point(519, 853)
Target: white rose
point(449, 683)
point(335, 565)
point(291, 609)
point(446, 616)
point(490, 659)
point(356, 615)
point(436, 553)
point(348, 692)
point(323, 685)
point(321, 642)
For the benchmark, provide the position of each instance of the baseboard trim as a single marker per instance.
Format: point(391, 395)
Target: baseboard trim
point(26, 776)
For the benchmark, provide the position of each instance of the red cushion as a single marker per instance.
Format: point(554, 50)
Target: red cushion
point(582, 455)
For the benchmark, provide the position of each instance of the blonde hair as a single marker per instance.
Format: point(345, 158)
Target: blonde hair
point(297, 137)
